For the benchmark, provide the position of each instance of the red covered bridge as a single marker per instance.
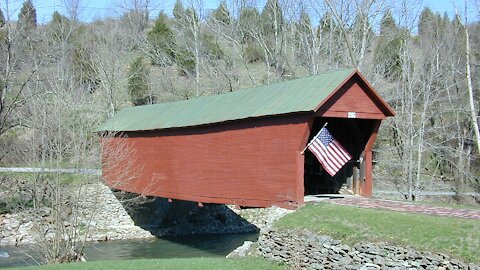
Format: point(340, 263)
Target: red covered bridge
point(244, 147)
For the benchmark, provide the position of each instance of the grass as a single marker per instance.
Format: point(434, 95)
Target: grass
point(64, 178)
point(9, 204)
point(455, 236)
point(160, 264)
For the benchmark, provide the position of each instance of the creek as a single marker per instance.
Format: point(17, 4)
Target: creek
point(180, 247)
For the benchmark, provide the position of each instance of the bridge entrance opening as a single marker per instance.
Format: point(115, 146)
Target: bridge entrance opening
point(353, 135)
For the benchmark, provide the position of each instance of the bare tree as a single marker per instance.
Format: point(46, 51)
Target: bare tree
point(107, 58)
point(12, 93)
point(60, 139)
point(73, 8)
point(354, 22)
point(188, 34)
point(468, 77)
point(134, 17)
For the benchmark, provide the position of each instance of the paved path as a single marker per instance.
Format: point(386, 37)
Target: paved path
point(406, 207)
point(428, 193)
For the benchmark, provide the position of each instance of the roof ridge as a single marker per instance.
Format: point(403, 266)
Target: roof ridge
point(296, 95)
point(239, 90)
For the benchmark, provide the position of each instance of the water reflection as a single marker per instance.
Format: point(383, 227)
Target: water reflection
point(16, 256)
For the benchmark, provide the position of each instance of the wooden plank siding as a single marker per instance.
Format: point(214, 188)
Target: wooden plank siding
point(353, 96)
point(250, 163)
point(366, 188)
point(253, 162)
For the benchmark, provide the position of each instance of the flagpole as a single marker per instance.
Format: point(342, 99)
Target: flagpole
point(303, 151)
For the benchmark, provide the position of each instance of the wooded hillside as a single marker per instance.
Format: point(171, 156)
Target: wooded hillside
point(61, 79)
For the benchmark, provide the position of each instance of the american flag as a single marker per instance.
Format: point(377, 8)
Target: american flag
point(328, 151)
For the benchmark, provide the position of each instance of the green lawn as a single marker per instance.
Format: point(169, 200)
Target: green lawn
point(159, 264)
point(455, 236)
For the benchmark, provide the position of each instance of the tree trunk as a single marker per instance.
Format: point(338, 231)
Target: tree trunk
point(473, 111)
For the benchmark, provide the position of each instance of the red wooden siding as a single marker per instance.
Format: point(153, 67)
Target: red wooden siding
point(352, 97)
point(253, 162)
point(250, 162)
point(366, 187)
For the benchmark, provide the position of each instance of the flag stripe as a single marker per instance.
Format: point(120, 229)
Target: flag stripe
point(334, 157)
point(329, 152)
point(328, 155)
point(344, 152)
point(321, 158)
point(328, 166)
point(331, 161)
point(338, 151)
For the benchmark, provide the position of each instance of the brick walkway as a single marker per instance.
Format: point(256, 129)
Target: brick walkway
point(406, 207)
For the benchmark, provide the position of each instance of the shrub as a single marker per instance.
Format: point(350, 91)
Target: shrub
point(253, 54)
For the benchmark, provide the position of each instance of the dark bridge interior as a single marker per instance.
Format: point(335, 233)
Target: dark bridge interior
point(353, 135)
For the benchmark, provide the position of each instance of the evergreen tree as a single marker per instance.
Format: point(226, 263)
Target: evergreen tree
point(191, 15)
point(304, 24)
point(26, 26)
point(361, 29)
point(387, 54)
point(85, 71)
point(79, 50)
point(178, 10)
point(2, 18)
point(330, 35)
point(445, 19)
point(432, 27)
point(327, 23)
point(210, 47)
point(304, 38)
point(433, 30)
point(27, 18)
point(249, 20)
point(387, 24)
point(328, 26)
point(272, 17)
point(425, 21)
point(185, 60)
point(221, 14)
point(161, 38)
point(249, 16)
point(138, 87)
point(59, 26)
point(58, 18)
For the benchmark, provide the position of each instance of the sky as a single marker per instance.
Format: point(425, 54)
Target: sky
point(95, 9)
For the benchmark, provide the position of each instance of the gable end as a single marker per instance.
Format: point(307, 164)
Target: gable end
point(354, 98)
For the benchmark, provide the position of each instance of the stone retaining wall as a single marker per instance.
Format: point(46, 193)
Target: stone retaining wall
point(307, 250)
point(106, 219)
point(100, 212)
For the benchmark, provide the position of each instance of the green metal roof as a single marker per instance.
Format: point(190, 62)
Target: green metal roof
point(299, 95)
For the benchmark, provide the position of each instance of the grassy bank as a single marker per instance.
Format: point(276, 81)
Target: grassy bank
point(455, 236)
point(63, 178)
point(159, 264)
point(25, 181)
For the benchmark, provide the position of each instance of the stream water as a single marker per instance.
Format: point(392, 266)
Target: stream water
point(193, 246)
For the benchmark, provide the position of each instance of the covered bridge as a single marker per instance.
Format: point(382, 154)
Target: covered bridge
point(244, 147)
